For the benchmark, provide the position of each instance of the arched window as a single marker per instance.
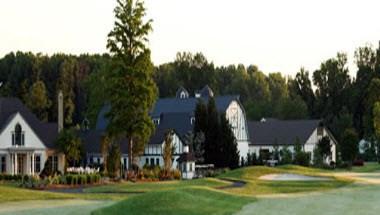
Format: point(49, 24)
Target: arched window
point(18, 137)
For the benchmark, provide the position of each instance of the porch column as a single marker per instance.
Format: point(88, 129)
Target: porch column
point(32, 163)
point(28, 169)
point(11, 163)
point(15, 157)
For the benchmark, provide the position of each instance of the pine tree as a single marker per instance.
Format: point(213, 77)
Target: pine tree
point(229, 156)
point(212, 134)
point(130, 84)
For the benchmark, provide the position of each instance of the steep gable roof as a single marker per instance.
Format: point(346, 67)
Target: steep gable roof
point(9, 107)
point(282, 132)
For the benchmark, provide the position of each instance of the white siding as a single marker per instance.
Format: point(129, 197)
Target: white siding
point(236, 116)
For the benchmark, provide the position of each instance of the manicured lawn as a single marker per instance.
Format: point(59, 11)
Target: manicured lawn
point(346, 201)
point(180, 202)
point(368, 167)
point(155, 186)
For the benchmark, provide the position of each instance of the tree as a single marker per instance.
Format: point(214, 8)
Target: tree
point(324, 146)
point(38, 101)
point(66, 84)
point(196, 143)
point(114, 161)
point(105, 144)
point(167, 154)
point(349, 146)
point(71, 145)
point(376, 125)
point(132, 91)
point(286, 155)
point(302, 86)
point(300, 158)
point(229, 154)
point(212, 135)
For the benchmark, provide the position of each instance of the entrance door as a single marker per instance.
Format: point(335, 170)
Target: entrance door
point(21, 164)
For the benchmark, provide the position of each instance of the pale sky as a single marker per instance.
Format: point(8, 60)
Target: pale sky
point(275, 35)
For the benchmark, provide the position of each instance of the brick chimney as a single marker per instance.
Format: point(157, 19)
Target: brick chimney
point(60, 111)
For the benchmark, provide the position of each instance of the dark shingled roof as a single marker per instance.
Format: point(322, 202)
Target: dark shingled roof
point(180, 123)
point(284, 131)
point(175, 105)
point(9, 107)
point(93, 138)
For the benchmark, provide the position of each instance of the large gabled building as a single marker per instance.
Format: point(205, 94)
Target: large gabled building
point(177, 114)
point(26, 143)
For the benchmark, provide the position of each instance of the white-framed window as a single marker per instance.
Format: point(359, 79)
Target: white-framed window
point(18, 136)
point(54, 162)
point(192, 120)
point(156, 121)
point(3, 164)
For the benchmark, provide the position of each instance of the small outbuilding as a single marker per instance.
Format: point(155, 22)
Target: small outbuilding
point(186, 163)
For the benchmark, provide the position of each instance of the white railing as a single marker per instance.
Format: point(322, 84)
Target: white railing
point(81, 170)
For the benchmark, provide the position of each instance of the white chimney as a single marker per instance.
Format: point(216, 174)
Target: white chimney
point(60, 111)
point(186, 149)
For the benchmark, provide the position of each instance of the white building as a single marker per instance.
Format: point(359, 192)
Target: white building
point(268, 134)
point(177, 114)
point(26, 143)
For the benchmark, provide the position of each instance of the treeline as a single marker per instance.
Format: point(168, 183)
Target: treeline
point(329, 93)
point(36, 80)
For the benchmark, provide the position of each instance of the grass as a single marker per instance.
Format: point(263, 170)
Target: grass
point(367, 168)
point(156, 186)
point(346, 201)
point(179, 202)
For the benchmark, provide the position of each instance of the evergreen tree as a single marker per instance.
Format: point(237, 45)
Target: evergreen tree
point(212, 134)
point(229, 156)
point(132, 91)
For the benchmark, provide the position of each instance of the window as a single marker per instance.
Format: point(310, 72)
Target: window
point(18, 137)
point(91, 160)
point(146, 161)
point(152, 161)
point(98, 160)
point(53, 160)
point(191, 167)
point(157, 161)
point(192, 120)
point(37, 163)
point(125, 163)
point(3, 164)
point(156, 121)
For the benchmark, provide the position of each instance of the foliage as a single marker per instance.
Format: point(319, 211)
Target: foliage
point(349, 146)
point(300, 156)
point(38, 101)
point(69, 143)
point(113, 161)
point(229, 154)
point(129, 83)
point(286, 155)
point(324, 147)
point(196, 143)
point(167, 153)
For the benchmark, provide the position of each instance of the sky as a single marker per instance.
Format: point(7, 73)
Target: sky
point(276, 35)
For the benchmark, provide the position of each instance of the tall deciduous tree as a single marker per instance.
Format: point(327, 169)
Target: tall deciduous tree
point(38, 101)
point(167, 154)
point(131, 88)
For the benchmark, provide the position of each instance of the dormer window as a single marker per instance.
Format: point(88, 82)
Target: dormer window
point(320, 131)
point(192, 120)
point(183, 95)
point(18, 136)
point(156, 121)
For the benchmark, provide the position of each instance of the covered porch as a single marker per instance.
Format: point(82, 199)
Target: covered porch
point(24, 161)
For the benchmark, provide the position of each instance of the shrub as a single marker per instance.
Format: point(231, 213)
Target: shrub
point(177, 174)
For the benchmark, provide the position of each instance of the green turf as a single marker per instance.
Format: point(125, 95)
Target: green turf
point(155, 186)
point(346, 201)
point(179, 202)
